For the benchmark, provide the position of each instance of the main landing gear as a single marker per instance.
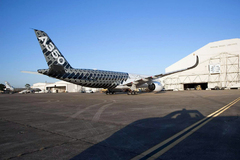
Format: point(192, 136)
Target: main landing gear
point(132, 92)
point(110, 92)
point(129, 92)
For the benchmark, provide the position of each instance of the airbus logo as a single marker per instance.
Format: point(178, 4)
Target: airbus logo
point(51, 48)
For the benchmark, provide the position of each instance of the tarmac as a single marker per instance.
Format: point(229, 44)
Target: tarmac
point(167, 125)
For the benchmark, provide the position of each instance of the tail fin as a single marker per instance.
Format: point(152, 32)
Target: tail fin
point(51, 53)
point(8, 86)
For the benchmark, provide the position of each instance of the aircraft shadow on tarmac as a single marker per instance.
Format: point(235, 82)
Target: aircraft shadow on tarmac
point(140, 136)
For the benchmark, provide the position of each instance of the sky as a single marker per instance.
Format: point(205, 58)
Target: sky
point(134, 36)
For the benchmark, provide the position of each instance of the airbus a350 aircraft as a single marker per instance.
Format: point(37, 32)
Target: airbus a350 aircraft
point(112, 81)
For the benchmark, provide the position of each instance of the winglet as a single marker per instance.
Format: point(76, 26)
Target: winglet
point(195, 65)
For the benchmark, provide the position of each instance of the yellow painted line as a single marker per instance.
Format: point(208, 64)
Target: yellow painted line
point(165, 149)
point(41, 148)
point(19, 155)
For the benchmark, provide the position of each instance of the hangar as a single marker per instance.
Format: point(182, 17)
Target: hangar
point(218, 68)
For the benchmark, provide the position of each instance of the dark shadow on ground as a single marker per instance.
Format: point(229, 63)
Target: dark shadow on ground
point(139, 136)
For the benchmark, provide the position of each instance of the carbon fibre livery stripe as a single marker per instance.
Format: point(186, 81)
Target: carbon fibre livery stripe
point(83, 77)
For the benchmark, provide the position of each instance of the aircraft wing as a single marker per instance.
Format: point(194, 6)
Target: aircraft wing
point(147, 79)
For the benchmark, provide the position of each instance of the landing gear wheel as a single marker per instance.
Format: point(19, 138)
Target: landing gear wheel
point(134, 93)
point(109, 92)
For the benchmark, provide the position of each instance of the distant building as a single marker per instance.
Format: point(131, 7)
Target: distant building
point(218, 68)
point(62, 86)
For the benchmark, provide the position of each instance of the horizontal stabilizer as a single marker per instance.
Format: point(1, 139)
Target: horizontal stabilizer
point(30, 72)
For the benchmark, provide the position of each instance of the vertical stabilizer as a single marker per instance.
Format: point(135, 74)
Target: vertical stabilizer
point(51, 53)
point(8, 86)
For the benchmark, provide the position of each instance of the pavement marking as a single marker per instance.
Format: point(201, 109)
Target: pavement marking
point(169, 143)
point(83, 110)
point(96, 117)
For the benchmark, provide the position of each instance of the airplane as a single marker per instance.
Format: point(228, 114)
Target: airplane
point(10, 89)
point(59, 68)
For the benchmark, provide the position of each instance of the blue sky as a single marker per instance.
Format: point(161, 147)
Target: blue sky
point(135, 36)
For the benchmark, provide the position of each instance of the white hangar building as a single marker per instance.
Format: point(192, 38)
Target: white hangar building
point(62, 87)
point(218, 68)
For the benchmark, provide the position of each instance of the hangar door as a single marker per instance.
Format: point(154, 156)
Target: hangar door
point(195, 86)
point(57, 89)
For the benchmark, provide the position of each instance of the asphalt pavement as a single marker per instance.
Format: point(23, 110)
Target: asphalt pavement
point(167, 125)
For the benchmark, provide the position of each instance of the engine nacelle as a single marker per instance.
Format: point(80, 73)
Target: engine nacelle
point(155, 86)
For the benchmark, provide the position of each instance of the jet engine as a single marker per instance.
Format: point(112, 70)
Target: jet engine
point(155, 86)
